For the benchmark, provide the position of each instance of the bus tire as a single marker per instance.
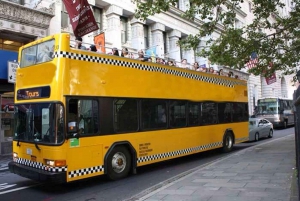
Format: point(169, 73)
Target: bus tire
point(118, 163)
point(285, 124)
point(270, 133)
point(227, 142)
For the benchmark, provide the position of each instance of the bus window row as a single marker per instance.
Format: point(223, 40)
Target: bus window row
point(119, 115)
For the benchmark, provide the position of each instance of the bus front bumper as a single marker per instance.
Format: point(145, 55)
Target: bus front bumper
point(36, 174)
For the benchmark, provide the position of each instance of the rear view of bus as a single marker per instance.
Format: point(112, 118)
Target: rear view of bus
point(39, 114)
point(277, 110)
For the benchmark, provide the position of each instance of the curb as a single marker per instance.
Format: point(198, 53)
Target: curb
point(162, 185)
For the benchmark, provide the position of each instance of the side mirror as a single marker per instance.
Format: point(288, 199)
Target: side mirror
point(72, 130)
point(73, 135)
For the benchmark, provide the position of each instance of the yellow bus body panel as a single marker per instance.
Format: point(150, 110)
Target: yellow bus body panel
point(99, 75)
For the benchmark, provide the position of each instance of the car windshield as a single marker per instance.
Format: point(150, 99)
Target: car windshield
point(39, 123)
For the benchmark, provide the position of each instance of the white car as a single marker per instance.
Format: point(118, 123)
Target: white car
point(259, 128)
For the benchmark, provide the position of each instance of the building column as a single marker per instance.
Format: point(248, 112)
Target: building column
point(157, 30)
point(113, 26)
point(174, 48)
point(137, 34)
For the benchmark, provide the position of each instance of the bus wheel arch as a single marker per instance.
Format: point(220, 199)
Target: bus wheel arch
point(120, 151)
point(228, 140)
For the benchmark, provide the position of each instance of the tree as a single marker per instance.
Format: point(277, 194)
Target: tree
point(278, 44)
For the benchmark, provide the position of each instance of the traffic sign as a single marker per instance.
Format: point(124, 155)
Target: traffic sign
point(11, 71)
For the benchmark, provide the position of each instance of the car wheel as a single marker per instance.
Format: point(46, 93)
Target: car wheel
point(118, 163)
point(256, 137)
point(270, 134)
point(227, 142)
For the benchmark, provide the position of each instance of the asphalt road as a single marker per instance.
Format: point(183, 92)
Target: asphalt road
point(15, 188)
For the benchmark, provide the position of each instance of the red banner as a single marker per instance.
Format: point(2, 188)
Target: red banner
point(271, 79)
point(99, 41)
point(81, 17)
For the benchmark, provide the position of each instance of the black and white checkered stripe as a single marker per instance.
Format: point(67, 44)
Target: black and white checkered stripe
point(178, 153)
point(85, 171)
point(146, 67)
point(39, 165)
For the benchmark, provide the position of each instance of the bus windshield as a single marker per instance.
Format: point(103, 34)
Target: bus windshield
point(267, 106)
point(39, 53)
point(39, 123)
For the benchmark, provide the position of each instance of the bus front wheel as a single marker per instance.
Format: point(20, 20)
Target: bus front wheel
point(227, 142)
point(118, 163)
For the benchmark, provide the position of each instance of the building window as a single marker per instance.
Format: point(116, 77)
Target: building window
point(21, 2)
point(250, 7)
point(177, 4)
point(11, 45)
point(124, 29)
point(65, 21)
point(146, 36)
point(165, 42)
point(98, 17)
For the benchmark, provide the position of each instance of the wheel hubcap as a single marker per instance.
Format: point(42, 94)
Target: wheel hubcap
point(228, 142)
point(118, 162)
point(256, 136)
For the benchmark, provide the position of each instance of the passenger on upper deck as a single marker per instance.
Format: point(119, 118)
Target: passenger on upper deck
point(141, 56)
point(124, 53)
point(115, 51)
point(196, 66)
point(184, 64)
point(93, 48)
point(79, 45)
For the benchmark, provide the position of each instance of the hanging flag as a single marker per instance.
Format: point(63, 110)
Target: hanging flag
point(272, 78)
point(99, 41)
point(81, 17)
point(253, 61)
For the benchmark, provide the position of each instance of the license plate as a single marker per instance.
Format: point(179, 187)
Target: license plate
point(29, 151)
point(33, 158)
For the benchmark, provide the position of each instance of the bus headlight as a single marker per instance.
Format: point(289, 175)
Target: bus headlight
point(276, 120)
point(15, 155)
point(55, 163)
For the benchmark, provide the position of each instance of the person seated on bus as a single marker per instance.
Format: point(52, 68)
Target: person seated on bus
point(93, 48)
point(141, 56)
point(79, 45)
point(115, 51)
point(125, 53)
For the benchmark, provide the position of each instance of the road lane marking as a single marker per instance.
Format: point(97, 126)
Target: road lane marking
point(15, 189)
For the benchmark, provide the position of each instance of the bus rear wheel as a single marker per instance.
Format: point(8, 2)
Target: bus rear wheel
point(227, 142)
point(285, 124)
point(118, 163)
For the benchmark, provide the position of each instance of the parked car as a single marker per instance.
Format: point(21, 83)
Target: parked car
point(259, 128)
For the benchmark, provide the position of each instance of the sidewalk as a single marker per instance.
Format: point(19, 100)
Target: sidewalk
point(264, 172)
point(4, 160)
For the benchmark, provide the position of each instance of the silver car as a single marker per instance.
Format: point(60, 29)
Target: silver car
point(259, 128)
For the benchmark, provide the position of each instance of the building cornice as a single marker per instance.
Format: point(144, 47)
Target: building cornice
point(26, 16)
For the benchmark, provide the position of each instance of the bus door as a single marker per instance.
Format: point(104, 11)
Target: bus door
point(85, 150)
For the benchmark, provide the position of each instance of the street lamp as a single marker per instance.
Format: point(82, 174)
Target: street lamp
point(298, 76)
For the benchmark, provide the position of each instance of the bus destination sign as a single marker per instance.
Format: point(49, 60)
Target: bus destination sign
point(33, 93)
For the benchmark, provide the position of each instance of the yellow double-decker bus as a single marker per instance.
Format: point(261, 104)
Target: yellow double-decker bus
point(80, 114)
